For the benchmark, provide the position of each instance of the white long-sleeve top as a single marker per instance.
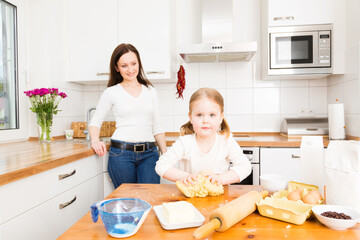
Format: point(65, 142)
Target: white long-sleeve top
point(137, 118)
point(185, 155)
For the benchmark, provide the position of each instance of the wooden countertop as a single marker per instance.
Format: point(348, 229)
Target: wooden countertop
point(258, 139)
point(23, 159)
point(254, 226)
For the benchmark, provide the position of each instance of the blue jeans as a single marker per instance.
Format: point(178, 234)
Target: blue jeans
point(129, 167)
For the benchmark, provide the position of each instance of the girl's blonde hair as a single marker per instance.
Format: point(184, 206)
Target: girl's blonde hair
point(214, 96)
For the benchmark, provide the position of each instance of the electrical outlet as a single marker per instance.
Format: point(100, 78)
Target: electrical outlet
point(307, 112)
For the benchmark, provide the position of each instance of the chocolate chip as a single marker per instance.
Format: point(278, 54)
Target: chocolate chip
point(335, 215)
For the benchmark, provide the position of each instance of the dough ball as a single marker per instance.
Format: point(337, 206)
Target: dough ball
point(201, 188)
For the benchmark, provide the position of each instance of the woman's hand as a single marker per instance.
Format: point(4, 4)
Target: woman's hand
point(214, 178)
point(99, 147)
point(190, 179)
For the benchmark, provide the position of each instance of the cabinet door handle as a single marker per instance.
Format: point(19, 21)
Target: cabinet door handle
point(102, 74)
point(64, 205)
point(66, 175)
point(284, 18)
point(155, 72)
point(294, 156)
point(311, 129)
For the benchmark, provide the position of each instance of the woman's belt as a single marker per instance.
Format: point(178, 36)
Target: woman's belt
point(135, 147)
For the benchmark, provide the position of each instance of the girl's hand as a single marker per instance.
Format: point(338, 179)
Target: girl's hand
point(99, 147)
point(214, 178)
point(190, 179)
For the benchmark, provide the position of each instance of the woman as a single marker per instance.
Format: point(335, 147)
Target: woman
point(134, 102)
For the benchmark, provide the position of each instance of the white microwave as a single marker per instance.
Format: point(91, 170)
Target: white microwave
point(300, 50)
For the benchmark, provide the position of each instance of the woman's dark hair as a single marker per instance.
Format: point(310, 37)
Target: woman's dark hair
point(115, 76)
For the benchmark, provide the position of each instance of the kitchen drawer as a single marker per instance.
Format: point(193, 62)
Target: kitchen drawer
point(29, 192)
point(47, 221)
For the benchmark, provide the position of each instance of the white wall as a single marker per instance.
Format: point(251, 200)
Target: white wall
point(48, 59)
point(250, 104)
point(346, 88)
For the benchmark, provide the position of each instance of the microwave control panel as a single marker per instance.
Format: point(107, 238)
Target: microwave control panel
point(324, 47)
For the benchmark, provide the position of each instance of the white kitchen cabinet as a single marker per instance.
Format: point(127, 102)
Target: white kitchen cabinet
point(33, 202)
point(108, 184)
point(284, 161)
point(147, 25)
point(299, 12)
point(277, 13)
point(92, 37)
point(48, 221)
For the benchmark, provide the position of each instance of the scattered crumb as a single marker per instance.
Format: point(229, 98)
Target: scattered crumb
point(173, 194)
point(288, 226)
point(251, 230)
point(136, 219)
point(226, 200)
point(285, 236)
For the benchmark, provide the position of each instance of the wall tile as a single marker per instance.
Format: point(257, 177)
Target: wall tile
point(181, 105)
point(318, 100)
point(352, 123)
point(90, 100)
point(239, 101)
point(266, 83)
point(240, 123)
point(294, 83)
point(335, 92)
point(266, 101)
point(321, 82)
point(166, 103)
point(212, 75)
point(179, 121)
point(168, 122)
point(192, 79)
point(267, 123)
point(352, 96)
point(294, 99)
point(76, 103)
point(239, 74)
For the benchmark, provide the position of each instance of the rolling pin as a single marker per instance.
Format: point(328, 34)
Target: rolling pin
point(222, 218)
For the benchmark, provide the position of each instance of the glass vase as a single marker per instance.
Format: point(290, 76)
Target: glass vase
point(44, 121)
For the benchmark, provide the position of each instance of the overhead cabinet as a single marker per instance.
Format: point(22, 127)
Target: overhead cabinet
point(96, 27)
point(92, 37)
point(281, 13)
point(299, 12)
point(146, 25)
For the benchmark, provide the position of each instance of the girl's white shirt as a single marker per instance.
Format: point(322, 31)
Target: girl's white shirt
point(137, 118)
point(185, 155)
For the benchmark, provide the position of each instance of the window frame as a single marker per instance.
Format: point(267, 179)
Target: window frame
point(20, 133)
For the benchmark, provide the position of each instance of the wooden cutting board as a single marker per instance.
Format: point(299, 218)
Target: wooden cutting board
point(107, 129)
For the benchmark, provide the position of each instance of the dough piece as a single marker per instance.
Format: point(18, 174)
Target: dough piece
point(201, 188)
point(178, 212)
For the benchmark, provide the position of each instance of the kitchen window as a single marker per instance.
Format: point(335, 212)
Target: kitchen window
point(9, 111)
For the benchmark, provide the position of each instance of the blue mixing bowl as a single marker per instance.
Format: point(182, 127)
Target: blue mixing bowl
point(122, 217)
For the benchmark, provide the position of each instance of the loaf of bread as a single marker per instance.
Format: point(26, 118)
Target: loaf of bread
point(201, 188)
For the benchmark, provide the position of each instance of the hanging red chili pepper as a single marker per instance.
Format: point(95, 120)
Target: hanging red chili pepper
point(180, 85)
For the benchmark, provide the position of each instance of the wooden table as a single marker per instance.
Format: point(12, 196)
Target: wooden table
point(252, 227)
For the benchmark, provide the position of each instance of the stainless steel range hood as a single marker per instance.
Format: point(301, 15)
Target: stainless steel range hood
point(217, 44)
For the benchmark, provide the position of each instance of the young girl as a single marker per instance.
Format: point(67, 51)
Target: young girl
point(205, 145)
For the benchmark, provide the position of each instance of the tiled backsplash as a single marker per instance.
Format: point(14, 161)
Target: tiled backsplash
point(250, 105)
